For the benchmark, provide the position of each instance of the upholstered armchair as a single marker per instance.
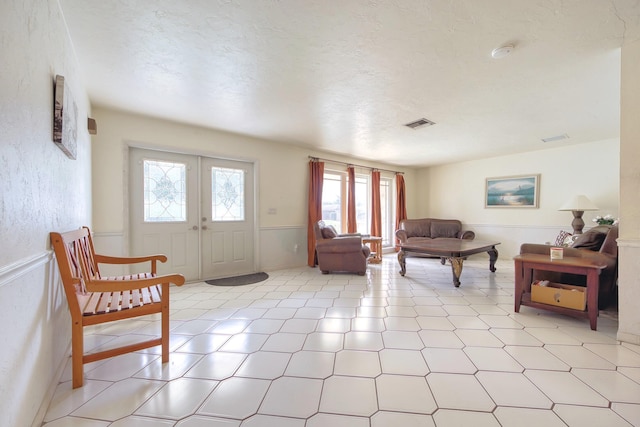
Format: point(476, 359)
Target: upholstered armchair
point(340, 252)
point(598, 243)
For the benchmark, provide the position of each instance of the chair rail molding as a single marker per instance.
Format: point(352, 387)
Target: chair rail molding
point(11, 272)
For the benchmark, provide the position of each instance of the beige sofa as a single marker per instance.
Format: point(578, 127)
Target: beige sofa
point(418, 230)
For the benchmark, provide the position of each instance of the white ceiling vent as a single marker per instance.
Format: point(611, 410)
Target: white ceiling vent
point(419, 123)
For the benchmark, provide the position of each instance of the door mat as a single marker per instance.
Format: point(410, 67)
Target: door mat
point(246, 279)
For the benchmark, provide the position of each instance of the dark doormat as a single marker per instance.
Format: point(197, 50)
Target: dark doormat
point(246, 279)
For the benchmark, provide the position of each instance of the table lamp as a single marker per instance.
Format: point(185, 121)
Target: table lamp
point(577, 205)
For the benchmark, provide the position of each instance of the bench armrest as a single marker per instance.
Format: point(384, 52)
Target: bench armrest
point(153, 259)
point(119, 285)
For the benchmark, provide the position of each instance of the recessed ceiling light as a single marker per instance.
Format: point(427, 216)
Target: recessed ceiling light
point(502, 51)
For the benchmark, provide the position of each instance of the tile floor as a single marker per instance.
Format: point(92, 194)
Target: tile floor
point(306, 349)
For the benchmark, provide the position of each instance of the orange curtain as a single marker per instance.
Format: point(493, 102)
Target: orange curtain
point(316, 176)
point(376, 213)
point(401, 203)
point(352, 226)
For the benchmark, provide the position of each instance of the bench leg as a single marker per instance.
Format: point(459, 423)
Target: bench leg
point(165, 322)
point(77, 354)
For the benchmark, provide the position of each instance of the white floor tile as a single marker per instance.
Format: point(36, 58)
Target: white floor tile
point(447, 417)
point(403, 362)
point(393, 419)
point(264, 365)
point(311, 364)
point(292, 397)
point(400, 393)
point(216, 366)
point(579, 357)
point(457, 391)
point(589, 417)
point(513, 389)
point(333, 420)
point(449, 360)
point(357, 363)
point(244, 343)
point(349, 396)
point(527, 417)
point(204, 343)
point(612, 385)
point(304, 349)
point(109, 405)
point(536, 358)
point(563, 387)
point(285, 342)
point(177, 399)
point(201, 421)
point(237, 398)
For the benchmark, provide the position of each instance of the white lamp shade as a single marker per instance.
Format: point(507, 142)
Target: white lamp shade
point(579, 203)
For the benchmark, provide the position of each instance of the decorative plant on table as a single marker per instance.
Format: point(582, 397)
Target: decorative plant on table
point(605, 220)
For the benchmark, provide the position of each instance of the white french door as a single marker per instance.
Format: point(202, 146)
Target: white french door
point(197, 210)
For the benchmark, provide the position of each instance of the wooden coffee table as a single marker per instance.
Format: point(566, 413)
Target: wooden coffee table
point(453, 250)
point(526, 263)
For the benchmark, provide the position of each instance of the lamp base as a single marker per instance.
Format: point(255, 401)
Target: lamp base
point(578, 222)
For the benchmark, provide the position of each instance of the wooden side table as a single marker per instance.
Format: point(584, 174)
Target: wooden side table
point(375, 243)
point(526, 263)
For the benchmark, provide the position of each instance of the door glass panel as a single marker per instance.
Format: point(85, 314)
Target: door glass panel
point(227, 194)
point(164, 191)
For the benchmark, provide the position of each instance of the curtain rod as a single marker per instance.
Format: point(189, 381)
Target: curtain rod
point(353, 164)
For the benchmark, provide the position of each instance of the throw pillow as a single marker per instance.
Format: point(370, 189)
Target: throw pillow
point(591, 240)
point(329, 232)
point(561, 240)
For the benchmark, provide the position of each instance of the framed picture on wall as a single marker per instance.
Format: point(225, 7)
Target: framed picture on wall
point(65, 117)
point(512, 192)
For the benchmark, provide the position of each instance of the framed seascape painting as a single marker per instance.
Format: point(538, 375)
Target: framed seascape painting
point(512, 192)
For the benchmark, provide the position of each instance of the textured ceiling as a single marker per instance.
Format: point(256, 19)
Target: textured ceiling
point(344, 76)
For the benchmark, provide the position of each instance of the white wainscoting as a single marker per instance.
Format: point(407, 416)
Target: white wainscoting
point(282, 247)
point(629, 290)
point(112, 244)
point(278, 248)
point(35, 338)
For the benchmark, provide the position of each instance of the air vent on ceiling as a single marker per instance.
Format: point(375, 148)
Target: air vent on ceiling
point(419, 123)
point(555, 138)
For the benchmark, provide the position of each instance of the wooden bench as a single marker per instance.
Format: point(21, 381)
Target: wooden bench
point(94, 299)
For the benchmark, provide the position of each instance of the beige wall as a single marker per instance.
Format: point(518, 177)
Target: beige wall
point(629, 242)
point(42, 191)
point(457, 191)
point(281, 174)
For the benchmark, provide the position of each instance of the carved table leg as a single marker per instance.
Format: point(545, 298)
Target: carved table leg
point(402, 262)
point(456, 269)
point(493, 257)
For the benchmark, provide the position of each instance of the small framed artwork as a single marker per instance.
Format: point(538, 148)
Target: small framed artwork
point(512, 192)
point(65, 116)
